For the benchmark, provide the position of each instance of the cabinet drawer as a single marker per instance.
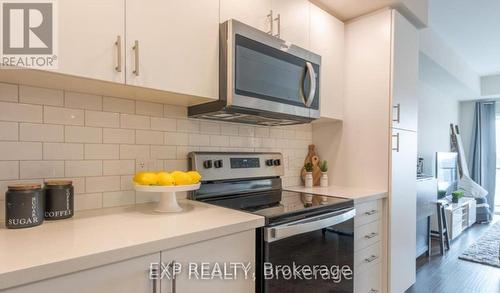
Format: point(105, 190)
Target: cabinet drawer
point(367, 258)
point(366, 235)
point(367, 212)
point(369, 281)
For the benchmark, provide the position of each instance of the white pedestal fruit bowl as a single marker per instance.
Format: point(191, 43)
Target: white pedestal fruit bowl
point(168, 200)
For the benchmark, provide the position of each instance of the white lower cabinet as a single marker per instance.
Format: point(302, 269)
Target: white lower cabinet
point(368, 247)
point(237, 248)
point(130, 276)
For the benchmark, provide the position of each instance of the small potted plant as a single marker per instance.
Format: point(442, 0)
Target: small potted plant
point(309, 175)
point(323, 166)
point(456, 195)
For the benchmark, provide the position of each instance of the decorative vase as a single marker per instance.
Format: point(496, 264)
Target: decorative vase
point(309, 179)
point(324, 179)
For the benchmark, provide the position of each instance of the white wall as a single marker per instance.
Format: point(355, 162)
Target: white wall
point(436, 111)
point(466, 123)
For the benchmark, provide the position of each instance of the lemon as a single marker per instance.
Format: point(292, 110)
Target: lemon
point(181, 178)
point(146, 178)
point(195, 177)
point(165, 178)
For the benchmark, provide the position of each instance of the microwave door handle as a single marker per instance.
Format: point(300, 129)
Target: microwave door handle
point(308, 225)
point(312, 81)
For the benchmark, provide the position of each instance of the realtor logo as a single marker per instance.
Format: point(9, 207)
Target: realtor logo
point(28, 34)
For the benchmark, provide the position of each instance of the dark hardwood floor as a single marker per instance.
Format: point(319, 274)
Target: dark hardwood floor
point(448, 274)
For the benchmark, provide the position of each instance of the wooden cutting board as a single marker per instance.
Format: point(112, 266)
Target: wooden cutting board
point(312, 158)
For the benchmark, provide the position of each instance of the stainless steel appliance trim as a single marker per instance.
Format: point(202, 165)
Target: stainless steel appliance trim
point(269, 106)
point(312, 80)
point(118, 45)
point(307, 225)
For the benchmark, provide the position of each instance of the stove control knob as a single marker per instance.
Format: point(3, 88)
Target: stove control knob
point(218, 164)
point(269, 162)
point(277, 162)
point(207, 164)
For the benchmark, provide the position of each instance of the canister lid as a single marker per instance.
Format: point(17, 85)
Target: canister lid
point(24, 186)
point(58, 182)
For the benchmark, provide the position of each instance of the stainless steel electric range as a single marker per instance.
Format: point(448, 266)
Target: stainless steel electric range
point(307, 244)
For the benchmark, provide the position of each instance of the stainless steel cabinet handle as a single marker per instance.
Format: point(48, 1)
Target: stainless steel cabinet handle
point(371, 235)
point(396, 136)
point(271, 21)
point(278, 20)
point(398, 113)
point(136, 61)
point(371, 258)
point(372, 212)
point(118, 45)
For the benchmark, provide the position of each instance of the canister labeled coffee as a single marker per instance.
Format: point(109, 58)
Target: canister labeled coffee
point(24, 206)
point(59, 199)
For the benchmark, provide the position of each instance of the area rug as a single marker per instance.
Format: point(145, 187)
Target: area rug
point(487, 249)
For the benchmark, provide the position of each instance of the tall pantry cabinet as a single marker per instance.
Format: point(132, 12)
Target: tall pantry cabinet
point(375, 146)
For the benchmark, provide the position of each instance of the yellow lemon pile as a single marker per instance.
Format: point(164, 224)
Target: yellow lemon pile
point(166, 179)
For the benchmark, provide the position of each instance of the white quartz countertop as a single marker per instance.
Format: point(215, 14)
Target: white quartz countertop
point(94, 238)
point(357, 194)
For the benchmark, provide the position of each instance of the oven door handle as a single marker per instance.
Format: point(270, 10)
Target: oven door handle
point(307, 225)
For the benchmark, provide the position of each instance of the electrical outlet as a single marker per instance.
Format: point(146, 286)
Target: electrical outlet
point(140, 165)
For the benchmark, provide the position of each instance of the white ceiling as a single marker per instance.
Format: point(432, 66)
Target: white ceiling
point(348, 9)
point(472, 28)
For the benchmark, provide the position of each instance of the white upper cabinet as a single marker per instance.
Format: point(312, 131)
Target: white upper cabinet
point(327, 40)
point(292, 21)
point(172, 45)
point(88, 35)
point(255, 13)
point(405, 74)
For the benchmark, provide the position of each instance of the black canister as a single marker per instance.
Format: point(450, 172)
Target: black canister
point(24, 206)
point(59, 199)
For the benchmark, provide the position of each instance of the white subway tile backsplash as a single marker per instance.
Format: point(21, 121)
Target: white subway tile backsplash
point(111, 104)
point(199, 140)
point(102, 119)
point(118, 167)
point(102, 184)
point(163, 152)
point(62, 151)
point(246, 131)
point(82, 101)
point(20, 112)
point(126, 182)
point(183, 151)
point(171, 165)
point(9, 92)
point(118, 198)
point(9, 131)
point(164, 124)
point(41, 169)
point(41, 96)
point(116, 135)
point(208, 127)
point(176, 138)
point(9, 170)
point(88, 201)
point(174, 111)
point(134, 151)
point(41, 132)
point(219, 140)
point(101, 151)
point(229, 129)
point(64, 116)
point(276, 133)
point(135, 121)
point(262, 132)
point(148, 108)
point(83, 134)
point(83, 168)
point(10, 150)
point(149, 137)
point(188, 125)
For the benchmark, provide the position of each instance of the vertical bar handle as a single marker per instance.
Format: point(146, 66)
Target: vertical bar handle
point(271, 20)
point(118, 45)
point(278, 20)
point(312, 83)
point(396, 136)
point(136, 61)
point(398, 113)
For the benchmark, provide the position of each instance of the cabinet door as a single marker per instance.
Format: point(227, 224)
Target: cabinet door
point(177, 46)
point(130, 276)
point(88, 30)
point(402, 214)
point(405, 74)
point(238, 247)
point(252, 12)
point(327, 40)
point(294, 21)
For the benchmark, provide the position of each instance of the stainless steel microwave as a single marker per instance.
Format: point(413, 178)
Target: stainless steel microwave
point(263, 80)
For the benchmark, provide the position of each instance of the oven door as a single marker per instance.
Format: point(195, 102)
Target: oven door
point(310, 255)
point(267, 74)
